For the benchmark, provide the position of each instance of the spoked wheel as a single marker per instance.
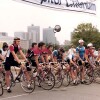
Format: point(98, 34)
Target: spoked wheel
point(28, 87)
point(66, 80)
point(89, 76)
point(58, 81)
point(47, 81)
point(2, 78)
point(1, 89)
point(97, 76)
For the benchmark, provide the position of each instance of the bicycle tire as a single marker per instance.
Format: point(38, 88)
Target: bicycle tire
point(2, 78)
point(24, 84)
point(66, 80)
point(89, 76)
point(58, 81)
point(97, 76)
point(44, 81)
point(1, 89)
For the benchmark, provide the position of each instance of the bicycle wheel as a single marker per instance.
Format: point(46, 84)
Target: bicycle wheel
point(24, 84)
point(58, 81)
point(1, 89)
point(2, 78)
point(97, 76)
point(89, 76)
point(47, 81)
point(66, 80)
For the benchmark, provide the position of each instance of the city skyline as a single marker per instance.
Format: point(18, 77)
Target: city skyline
point(17, 16)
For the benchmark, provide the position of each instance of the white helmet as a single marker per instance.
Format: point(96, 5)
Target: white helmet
point(80, 41)
point(90, 45)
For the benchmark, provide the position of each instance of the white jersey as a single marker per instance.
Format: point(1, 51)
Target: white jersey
point(3, 53)
point(71, 52)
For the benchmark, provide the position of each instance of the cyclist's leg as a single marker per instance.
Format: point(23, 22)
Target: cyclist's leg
point(73, 74)
point(7, 75)
point(82, 69)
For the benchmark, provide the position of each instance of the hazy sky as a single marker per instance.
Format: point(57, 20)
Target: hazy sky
point(15, 16)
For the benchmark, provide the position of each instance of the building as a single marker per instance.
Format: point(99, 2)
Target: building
point(3, 34)
point(49, 35)
point(33, 34)
point(7, 39)
point(24, 43)
point(21, 35)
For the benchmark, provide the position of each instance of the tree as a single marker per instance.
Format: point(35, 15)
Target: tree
point(88, 33)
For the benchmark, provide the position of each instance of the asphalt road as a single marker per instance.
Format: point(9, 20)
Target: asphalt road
point(80, 92)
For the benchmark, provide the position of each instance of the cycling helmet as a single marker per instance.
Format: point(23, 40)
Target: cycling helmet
point(90, 45)
point(80, 41)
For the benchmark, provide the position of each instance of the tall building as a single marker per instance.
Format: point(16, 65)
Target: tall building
point(21, 35)
point(49, 35)
point(34, 34)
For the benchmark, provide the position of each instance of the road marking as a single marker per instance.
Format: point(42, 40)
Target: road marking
point(55, 89)
point(16, 96)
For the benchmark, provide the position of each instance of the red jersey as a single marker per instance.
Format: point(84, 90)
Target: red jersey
point(89, 52)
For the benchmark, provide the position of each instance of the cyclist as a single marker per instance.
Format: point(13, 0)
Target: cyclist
point(80, 50)
point(30, 56)
point(50, 49)
point(58, 55)
point(13, 60)
point(30, 52)
point(89, 54)
point(74, 67)
point(98, 57)
point(3, 51)
point(71, 52)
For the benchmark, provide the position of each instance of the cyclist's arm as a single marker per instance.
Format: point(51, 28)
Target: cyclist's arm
point(63, 56)
point(42, 58)
point(73, 63)
point(46, 58)
point(52, 59)
point(86, 57)
point(36, 60)
point(77, 52)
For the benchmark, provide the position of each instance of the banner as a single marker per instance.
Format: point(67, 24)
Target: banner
point(85, 6)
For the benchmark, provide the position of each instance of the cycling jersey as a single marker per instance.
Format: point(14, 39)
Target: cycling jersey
point(10, 59)
point(81, 51)
point(71, 53)
point(89, 53)
point(3, 53)
point(14, 48)
point(57, 54)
